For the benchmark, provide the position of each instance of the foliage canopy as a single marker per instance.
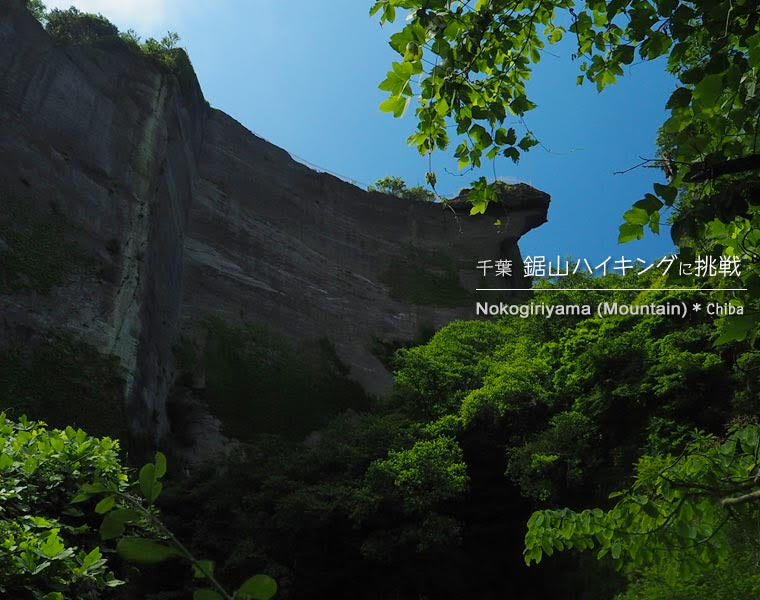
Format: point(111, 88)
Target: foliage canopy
point(467, 64)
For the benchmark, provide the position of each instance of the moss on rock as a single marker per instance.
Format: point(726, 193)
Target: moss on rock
point(64, 381)
point(258, 382)
point(425, 279)
point(35, 253)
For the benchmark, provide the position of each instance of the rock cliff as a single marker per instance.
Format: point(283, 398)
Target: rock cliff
point(130, 210)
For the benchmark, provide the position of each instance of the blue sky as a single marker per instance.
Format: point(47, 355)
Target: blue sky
point(304, 75)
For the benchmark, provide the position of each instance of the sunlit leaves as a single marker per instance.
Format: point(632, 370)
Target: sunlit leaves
point(473, 62)
point(396, 105)
point(476, 65)
point(41, 471)
point(421, 477)
point(674, 514)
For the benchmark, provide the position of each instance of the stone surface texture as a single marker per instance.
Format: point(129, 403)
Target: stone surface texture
point(182, 212)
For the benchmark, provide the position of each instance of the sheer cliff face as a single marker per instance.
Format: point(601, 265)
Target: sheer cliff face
point(130, 210)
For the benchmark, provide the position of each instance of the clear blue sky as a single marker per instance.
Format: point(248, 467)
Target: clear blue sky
point(304, 75)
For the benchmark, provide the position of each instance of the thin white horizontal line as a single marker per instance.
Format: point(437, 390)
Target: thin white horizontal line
point(611, 290)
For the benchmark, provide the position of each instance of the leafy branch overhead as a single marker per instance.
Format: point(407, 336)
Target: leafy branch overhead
point(465, 65)
point(680, 517)
point(470, 62)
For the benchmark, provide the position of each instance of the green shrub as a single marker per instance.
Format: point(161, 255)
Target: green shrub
point(48, 550)
point(63, 495)
point(74, 27)
point(395, 186)
point(37, 8)
point(164, 51)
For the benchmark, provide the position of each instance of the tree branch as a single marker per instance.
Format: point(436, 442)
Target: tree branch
point(740, 499)
point(736, 165)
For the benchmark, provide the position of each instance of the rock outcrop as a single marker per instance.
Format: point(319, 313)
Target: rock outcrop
point(130, 209)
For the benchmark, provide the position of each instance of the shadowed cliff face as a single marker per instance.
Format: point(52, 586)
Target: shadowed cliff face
point(131, 210)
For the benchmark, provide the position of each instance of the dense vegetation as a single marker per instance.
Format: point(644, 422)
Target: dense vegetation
point(49, 548)
point(491, 421)
point(687, 526)
point(70, 516)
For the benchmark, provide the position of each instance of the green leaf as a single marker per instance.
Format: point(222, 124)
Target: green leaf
point(481, 137)
point(142, 551)
point(630, 231)
point(520, 105)
point(5, 461)
point(753, 55)
point(206, 594)
point(160, 465)
point(146, 479)
point(105, 505)
point(666, 192)
point(680, 98)
point(203, 569)
point(149, 484)
point(111, 527)
point(512, 153)
point(624, 54)
point(258, 587)
point(709, 90)
point(616, 550)
point(90, 559)
point(734, 328)
point(649, 204)
point(53, 545)
point(636, 216)
point(395, 104)
point(527, 143)
point(654, 222)
point(650, 508)
point(57, 444)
